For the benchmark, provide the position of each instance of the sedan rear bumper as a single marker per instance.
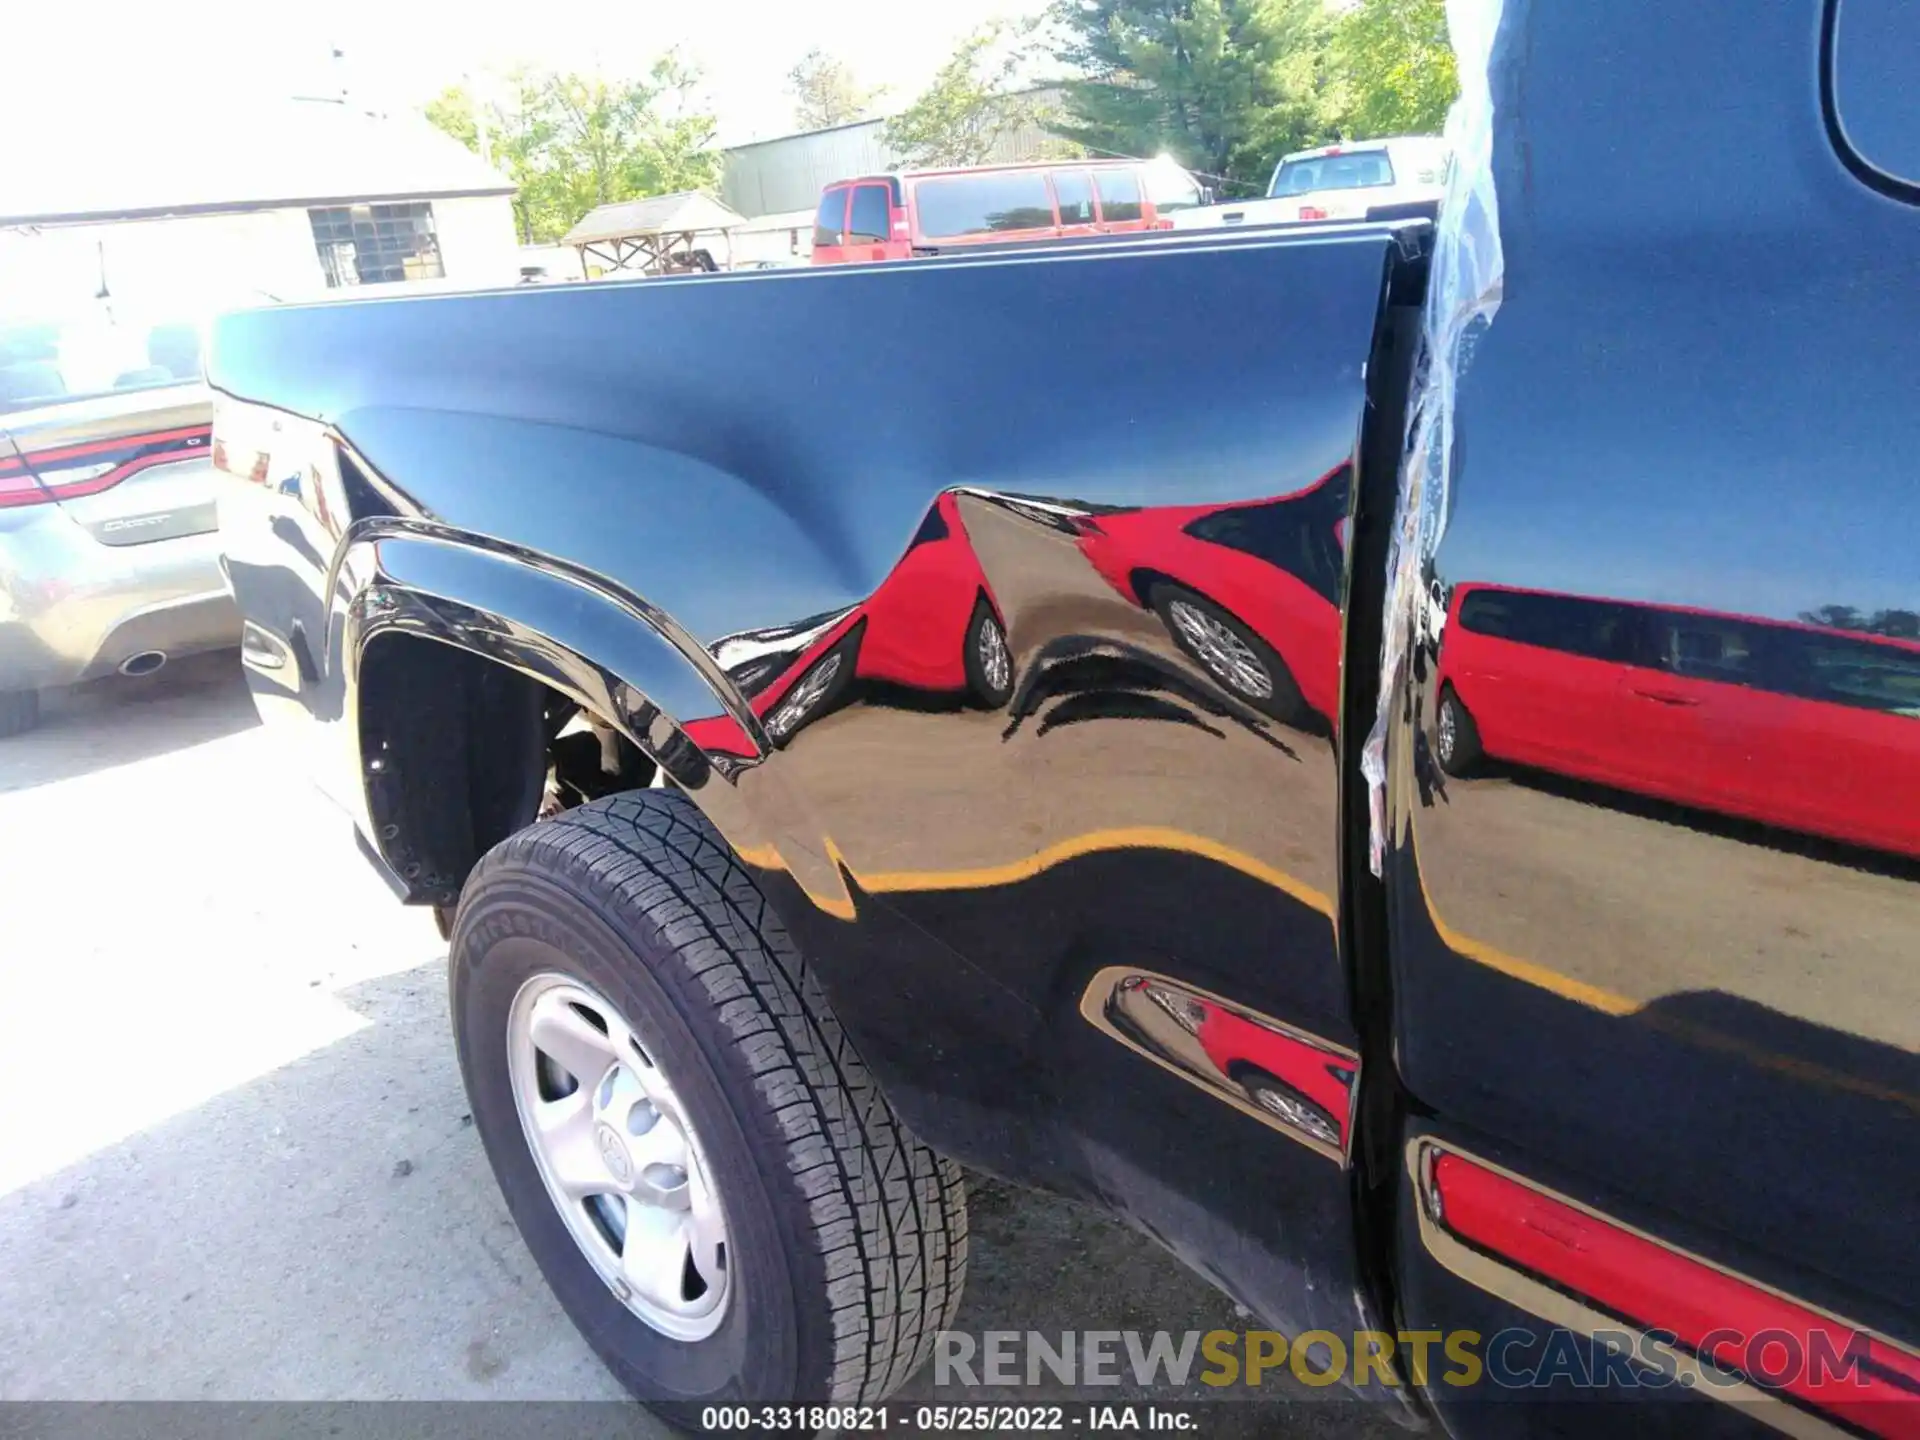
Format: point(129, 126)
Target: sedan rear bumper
point(72, 608)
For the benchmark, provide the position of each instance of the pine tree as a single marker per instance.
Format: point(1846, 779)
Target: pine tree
point(1224, 86)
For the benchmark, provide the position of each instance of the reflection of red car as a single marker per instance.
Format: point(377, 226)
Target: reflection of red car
point(931, 626)
point(1793, 725)
point(1293, 1080)
point(1252, 592)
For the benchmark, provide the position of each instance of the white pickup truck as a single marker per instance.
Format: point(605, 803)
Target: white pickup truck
point(1399, 177)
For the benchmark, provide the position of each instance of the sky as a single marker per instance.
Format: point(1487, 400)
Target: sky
point(398, 55)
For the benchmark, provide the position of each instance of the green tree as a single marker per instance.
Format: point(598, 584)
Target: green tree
point(571, 142)
point(826, 93)
point(1396, 67)
point(511, 130)
point(1224, 86)
point(971, 103)
point(1897, 624)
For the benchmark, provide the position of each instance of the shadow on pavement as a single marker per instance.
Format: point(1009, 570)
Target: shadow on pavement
point(118, 721)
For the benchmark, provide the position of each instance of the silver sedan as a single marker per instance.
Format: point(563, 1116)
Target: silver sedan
point(109, 544)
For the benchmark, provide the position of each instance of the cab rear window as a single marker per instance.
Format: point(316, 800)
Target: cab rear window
point(953, 205)
point(1333, 172)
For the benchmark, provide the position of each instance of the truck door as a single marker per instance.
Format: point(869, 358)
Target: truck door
point(869, 224)
point(1662, 1060)
point(830, 226)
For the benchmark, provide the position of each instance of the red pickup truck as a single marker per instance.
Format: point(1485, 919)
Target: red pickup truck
point(925, 212)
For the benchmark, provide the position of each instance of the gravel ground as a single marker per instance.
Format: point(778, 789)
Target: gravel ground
point(235, 1161)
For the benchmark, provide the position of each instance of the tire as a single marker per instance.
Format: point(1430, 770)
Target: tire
point(845, 1246)
point(1276, 1097)
point(988, 662)
point(19, 711)
point(1258, 676)
point(1456, 739)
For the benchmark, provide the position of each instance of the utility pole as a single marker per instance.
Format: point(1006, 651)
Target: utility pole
point(481, 131)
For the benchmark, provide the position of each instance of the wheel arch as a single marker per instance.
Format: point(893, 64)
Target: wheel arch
point(463, 653)
point(1142, 579)
point(1240, 1070)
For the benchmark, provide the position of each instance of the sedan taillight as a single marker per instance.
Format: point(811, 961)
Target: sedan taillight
point(71, 471)
point(17, 485)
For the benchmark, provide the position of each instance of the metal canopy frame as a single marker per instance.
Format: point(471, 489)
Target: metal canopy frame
point(655, 249)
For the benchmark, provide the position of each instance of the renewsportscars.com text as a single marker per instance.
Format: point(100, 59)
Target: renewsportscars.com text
point(1518, 1358)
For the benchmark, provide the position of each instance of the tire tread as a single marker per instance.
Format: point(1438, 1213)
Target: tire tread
point(887, 1215)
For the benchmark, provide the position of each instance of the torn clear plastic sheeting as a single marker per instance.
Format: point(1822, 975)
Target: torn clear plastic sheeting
point(1463, 292)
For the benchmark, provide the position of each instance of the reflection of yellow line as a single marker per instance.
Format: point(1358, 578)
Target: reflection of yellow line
point(768, 857)
point(1565, 986)
point(1095, 842)
point(1152, 837)
point(1141, 837)
point(1610, 1003)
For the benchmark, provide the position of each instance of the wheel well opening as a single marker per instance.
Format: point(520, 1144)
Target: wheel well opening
point(460, 751)
point(1143, 582)
point(1241, 1071)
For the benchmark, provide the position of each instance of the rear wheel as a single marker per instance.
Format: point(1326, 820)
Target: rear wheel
point(719, 1197)
point(1456, 739)
point(19, 711)
point(989, 664)
point(1238, 660)
point(1284, 1103)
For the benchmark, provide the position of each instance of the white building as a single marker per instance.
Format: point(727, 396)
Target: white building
point(287, 199)
point(773, 177)
point(784, 237)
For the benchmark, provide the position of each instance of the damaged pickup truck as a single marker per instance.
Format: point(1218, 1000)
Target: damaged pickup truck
point(1400, 787)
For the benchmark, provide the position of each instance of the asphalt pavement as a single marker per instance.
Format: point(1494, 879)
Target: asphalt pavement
point(235, 1159)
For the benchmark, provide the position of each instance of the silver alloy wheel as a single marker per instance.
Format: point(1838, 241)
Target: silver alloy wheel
point(803, 697)
point(1297, 1114)
point(1449, 729)
point(622, 1165)
point(1222, 651)
point(996, 666)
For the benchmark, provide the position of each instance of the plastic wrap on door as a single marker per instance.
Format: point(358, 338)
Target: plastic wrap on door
point(1462, 298)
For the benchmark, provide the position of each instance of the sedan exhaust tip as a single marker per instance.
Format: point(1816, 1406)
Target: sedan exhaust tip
point(145, 663)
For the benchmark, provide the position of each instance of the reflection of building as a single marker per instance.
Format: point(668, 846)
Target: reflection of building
point(784, 237)
point(291, 197)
